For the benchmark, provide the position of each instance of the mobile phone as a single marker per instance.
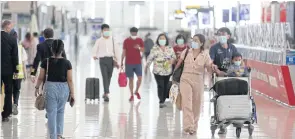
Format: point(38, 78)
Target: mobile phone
point(72, 102)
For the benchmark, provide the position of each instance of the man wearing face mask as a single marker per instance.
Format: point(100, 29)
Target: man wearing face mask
point(222, 52)
point(9, 62)
point(105, 50)
point(132, 47)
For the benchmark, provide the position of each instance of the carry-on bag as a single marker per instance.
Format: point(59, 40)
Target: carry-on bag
point(92, 88)
point(234, 106)
point(231, 86)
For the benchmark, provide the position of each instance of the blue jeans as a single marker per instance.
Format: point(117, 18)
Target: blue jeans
point(57, 94)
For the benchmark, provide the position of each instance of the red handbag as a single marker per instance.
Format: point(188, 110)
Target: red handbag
point(122, 80)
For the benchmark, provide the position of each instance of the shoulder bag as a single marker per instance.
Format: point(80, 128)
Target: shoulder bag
point(177, 73)
point(40, 99)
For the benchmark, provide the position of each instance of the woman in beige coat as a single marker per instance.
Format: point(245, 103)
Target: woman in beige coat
point(192, 82)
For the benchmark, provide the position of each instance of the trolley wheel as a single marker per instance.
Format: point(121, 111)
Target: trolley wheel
point(250, 129)
point(213, 129)
point(212, 133)
point(238, 131)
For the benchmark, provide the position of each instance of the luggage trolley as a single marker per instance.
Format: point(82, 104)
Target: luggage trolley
point(239, 110)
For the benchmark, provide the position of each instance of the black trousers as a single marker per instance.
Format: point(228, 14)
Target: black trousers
point(162, 85)
point(7, 108)
point(106, 68)
point(16, 90)
point(146, 54)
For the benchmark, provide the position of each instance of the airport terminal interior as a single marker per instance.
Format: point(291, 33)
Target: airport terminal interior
point(263, 33)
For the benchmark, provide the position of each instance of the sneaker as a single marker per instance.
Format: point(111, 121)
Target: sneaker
point(60, 137)
point(14, 109)
point(106, 98)
point(138, 95)
point(222, 131)
point(131, 98)
point(5, 119)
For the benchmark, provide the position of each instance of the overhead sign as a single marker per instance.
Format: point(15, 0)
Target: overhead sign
point(178, 14)
point(245, 12)
point(206, 18)
point(234, 12)
point(225, 15)
point(96, 20)
point(193, 7)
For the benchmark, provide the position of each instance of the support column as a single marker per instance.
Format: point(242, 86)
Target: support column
point(152, 13)
point(137, 15)
point(107, 12)
point(166, 16)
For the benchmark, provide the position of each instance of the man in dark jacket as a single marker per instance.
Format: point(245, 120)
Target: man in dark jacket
point(9, 62)
point(43, 51)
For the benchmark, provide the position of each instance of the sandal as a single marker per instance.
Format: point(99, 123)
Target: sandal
point(60, 137)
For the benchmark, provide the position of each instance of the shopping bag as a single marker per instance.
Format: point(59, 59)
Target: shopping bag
point(173, 93)
point(122, 80)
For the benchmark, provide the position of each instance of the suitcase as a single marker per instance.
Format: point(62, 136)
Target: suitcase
point(236, 106)
point(92, 88)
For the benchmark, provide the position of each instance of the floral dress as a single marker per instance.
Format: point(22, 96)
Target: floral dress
point(161, 59)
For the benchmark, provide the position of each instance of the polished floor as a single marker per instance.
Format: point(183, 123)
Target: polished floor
point(120, 119)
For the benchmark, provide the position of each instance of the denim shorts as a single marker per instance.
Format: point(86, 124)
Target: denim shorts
point(130, 69)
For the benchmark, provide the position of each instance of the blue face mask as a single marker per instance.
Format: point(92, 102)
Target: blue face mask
point(162, 42)
point(195, 45)
point(237, 63)
point(106, 33)
point(223, 39)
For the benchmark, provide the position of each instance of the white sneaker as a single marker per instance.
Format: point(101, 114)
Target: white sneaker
point(14, 109)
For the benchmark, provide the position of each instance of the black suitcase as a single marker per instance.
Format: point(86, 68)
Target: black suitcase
point(92, 88)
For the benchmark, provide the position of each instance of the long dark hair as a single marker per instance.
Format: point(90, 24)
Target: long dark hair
point(57, 47)
point(167, 39)
point(202, 40)
point(28, 36)
point(180, 36)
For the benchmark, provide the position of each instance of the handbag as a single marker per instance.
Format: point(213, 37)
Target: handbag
point(122, 80)
point(177, 73)
point(40, 99)
point(173, 93)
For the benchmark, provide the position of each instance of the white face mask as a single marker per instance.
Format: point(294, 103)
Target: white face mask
point(133, 37)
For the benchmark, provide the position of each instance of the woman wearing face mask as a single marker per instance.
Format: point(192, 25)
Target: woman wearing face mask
point(180, 45)
point(163, 58)
point(192, 81)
